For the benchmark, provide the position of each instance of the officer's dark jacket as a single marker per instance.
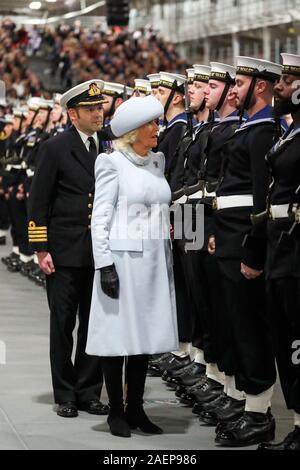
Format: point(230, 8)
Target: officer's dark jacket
point(61, 200)
point(245, 173)
point(284, 251)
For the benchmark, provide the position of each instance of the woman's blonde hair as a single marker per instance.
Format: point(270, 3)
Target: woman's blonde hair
point(125, 141)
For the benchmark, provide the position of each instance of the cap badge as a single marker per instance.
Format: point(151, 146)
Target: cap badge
point(94, 90)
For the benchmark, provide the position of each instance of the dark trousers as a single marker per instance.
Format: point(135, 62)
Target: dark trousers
point(183, 302)
point(4, 216)
point(253, 358)
point(284, 313)
point(136, 371)
point(18, 216)
point(69, 291)
point(210, 328)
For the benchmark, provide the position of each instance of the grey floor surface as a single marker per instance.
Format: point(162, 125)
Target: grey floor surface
point(27, 416)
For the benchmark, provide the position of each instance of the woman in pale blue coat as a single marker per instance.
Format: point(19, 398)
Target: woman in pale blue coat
point(133, 310)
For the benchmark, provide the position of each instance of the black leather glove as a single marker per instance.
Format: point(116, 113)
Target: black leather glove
point(110, 281)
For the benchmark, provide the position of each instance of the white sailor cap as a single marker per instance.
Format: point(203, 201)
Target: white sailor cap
point(201, 73)
point(222, 72)
point(20, 111)
point(46, 104)
point(9, 119)
point(154, 79)
point(190, 75)
point(143, 86)
point(134, 113)
point(114, 89)
point(258, 68)
point(291, 64)
point(33, 103)
point(172, 81)
point(85, 94)
point(129, 91)
point(57, 98)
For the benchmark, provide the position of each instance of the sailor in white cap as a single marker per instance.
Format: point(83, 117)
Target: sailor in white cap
point(171, 95)
point(183, 175)
point(154, 79)
point(133, 282)
point(142, 87)
point(56, 116)
point(171, 92)
point(239, 245)
point(115, 94)
point(283, 260)
point(59, 230)
point(202, 163)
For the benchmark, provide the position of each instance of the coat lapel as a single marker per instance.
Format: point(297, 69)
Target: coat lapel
point(80, 152)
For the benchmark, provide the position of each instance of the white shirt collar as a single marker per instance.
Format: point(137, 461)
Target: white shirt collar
point(85, 137)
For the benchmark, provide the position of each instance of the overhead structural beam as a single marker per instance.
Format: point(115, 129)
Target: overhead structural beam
point(73, 14)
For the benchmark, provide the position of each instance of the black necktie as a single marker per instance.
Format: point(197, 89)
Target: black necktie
point(93, 148)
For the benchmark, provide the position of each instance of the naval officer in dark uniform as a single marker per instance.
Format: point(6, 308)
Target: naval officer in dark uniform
point(283, 259)
point(60, 208)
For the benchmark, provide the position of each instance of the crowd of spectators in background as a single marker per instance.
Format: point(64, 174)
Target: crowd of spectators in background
point(77, 53)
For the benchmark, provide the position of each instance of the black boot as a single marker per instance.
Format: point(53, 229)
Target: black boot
point(112, 371)
point(136, 377)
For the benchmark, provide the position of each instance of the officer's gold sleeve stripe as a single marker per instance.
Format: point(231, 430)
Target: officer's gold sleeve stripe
point(37, 240)
point(37, 232)
point(37, 236)
point(44, 227)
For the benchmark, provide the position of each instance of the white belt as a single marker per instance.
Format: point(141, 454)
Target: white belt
point(181, 200)
point(197, 195)
point(29, 172)
point(279, 212)
point(15, 167)
point(226, 202)
point(207, 194)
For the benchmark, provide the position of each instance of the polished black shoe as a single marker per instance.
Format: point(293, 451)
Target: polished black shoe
point(7, 259)
point(186, 394)
point(208, 391)
point(137, 418)
point(190, 375)
point(3, 240)
point(251, 428)
point(227, 409)
point(94, 407)
point(227, 425)
point(169, 374)
point(15, 265)
point(67, 410)
point(26, 268)
point(118, 426)
point(174, 363)
point(291, 442)
point(153, 367)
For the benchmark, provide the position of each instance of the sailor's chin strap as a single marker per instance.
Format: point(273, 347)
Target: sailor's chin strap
point(248, 99)
point(112, 108)
point(169, 100)
point(229, 81)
